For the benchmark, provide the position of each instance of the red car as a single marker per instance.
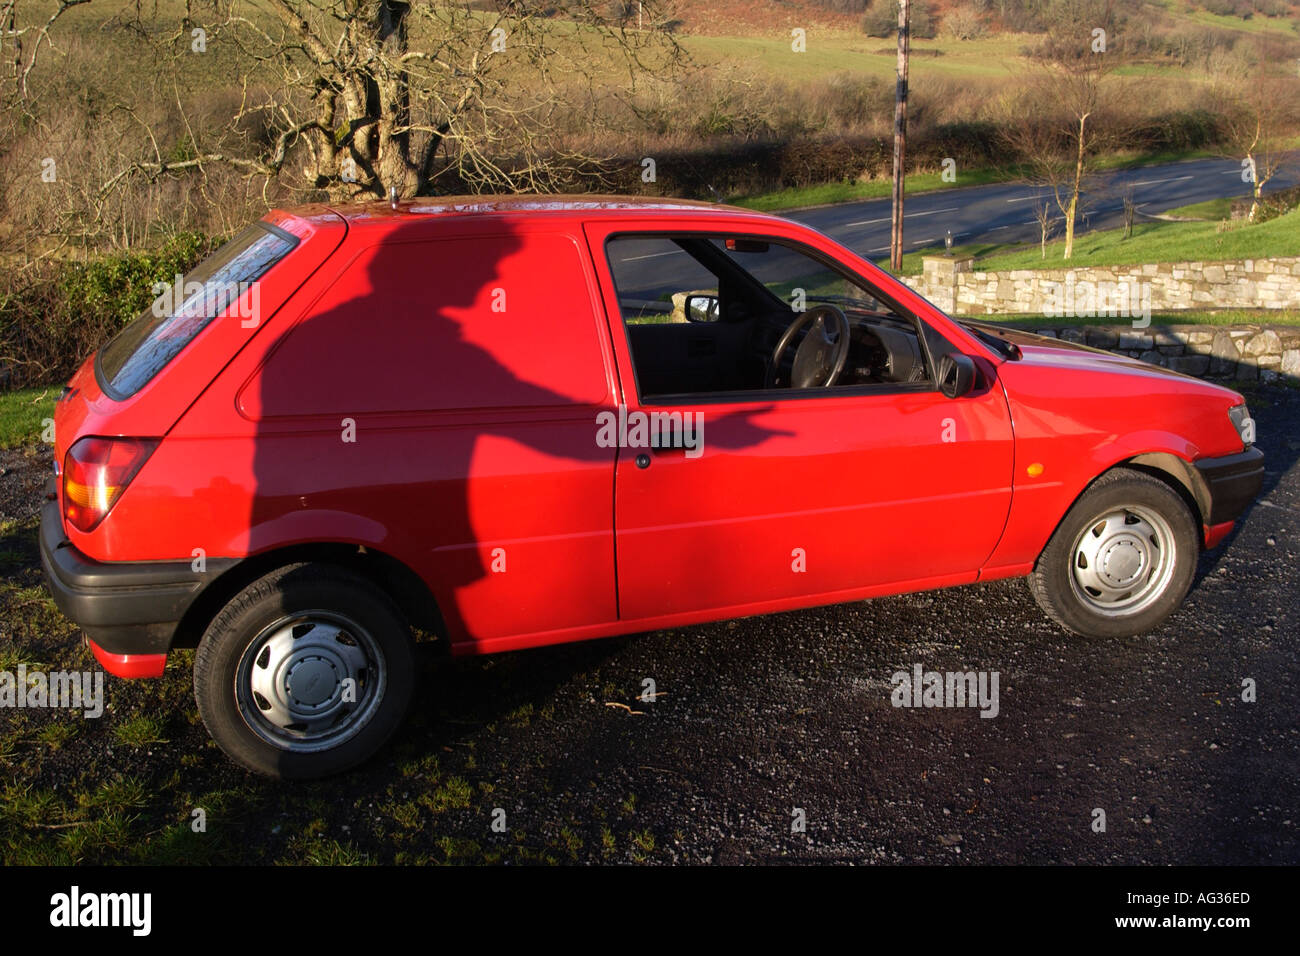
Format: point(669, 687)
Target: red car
point(514, 422)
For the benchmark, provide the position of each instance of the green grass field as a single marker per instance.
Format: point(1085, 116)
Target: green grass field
point(830, 52)
point(1278, 26)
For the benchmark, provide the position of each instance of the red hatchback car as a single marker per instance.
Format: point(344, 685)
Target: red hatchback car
point(514, 422)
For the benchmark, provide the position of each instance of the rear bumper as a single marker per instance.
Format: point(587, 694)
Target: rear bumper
point(1233, 482)
point(129, 665)
point(129, 610)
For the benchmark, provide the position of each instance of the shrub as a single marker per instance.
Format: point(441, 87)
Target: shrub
point(964, 23)
point(881, 20)
point(53, 314)
point(1279, 203)
point(620, 11)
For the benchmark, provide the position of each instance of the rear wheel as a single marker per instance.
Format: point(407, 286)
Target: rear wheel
point(1122, 559)
point(305, 673)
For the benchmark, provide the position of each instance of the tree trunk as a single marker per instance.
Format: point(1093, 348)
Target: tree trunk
point(393, 165)
point(1075, 188)
point(376, 111)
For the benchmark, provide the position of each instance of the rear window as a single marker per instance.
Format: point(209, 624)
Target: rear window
point(225, 281)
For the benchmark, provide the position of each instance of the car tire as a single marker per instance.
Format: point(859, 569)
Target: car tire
point(306, 672)
point(1122, 559)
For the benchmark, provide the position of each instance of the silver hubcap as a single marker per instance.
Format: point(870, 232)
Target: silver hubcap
point(1123, 561)
point(310, 681)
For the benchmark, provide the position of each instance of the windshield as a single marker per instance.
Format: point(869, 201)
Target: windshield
point(223, 282)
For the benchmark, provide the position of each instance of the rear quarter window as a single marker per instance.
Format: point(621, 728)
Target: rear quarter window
point(472, 322)
point(225, 282)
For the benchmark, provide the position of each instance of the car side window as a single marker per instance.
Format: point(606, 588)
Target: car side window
point(707, 315)
point(654, 276)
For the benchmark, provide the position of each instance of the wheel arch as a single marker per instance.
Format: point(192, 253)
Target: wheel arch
point(407, 590)
point(1179, 475)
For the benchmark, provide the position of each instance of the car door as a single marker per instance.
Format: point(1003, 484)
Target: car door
point(794, 495)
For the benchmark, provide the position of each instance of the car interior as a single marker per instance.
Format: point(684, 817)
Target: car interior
point(709, 314)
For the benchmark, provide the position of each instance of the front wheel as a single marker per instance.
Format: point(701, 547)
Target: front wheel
point(1122, 559)
point(305, 673)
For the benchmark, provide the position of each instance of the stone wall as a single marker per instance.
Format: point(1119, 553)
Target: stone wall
point(1242, 353)
point(952, 285)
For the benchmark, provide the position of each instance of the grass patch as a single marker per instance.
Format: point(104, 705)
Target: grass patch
point(314, 850)
point(643, 845)
point(455, 793)
point(56, 733)
point(1212, 210)
point(143, 730)
point(25, 414)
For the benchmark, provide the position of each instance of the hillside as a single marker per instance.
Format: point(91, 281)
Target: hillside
point(778, 17)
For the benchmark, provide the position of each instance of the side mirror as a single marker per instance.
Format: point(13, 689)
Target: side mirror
point(701, 308)
point(956, 374)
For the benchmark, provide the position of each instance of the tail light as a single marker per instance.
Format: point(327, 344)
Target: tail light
point(95, 473)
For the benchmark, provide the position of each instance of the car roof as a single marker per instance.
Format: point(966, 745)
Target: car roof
point(584, 206)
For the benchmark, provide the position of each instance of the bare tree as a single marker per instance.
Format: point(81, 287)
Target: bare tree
point(1063, 118)
point(1260, 113)
point(353, 98)
point(1043, 214)
point(26, 40)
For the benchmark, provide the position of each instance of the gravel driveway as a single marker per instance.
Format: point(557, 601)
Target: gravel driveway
point(758, 717)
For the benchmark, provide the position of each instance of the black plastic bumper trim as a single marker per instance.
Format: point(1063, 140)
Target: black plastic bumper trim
point(1234, 482)
point(127, 607)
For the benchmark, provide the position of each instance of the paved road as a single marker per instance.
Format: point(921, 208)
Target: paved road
point(1004, 212)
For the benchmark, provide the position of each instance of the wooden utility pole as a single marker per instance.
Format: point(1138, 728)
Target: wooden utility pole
point(900, 132)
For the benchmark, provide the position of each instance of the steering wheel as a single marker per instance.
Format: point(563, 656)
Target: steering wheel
point(819, 358)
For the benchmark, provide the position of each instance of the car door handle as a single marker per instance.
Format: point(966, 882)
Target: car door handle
point(670, 450)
